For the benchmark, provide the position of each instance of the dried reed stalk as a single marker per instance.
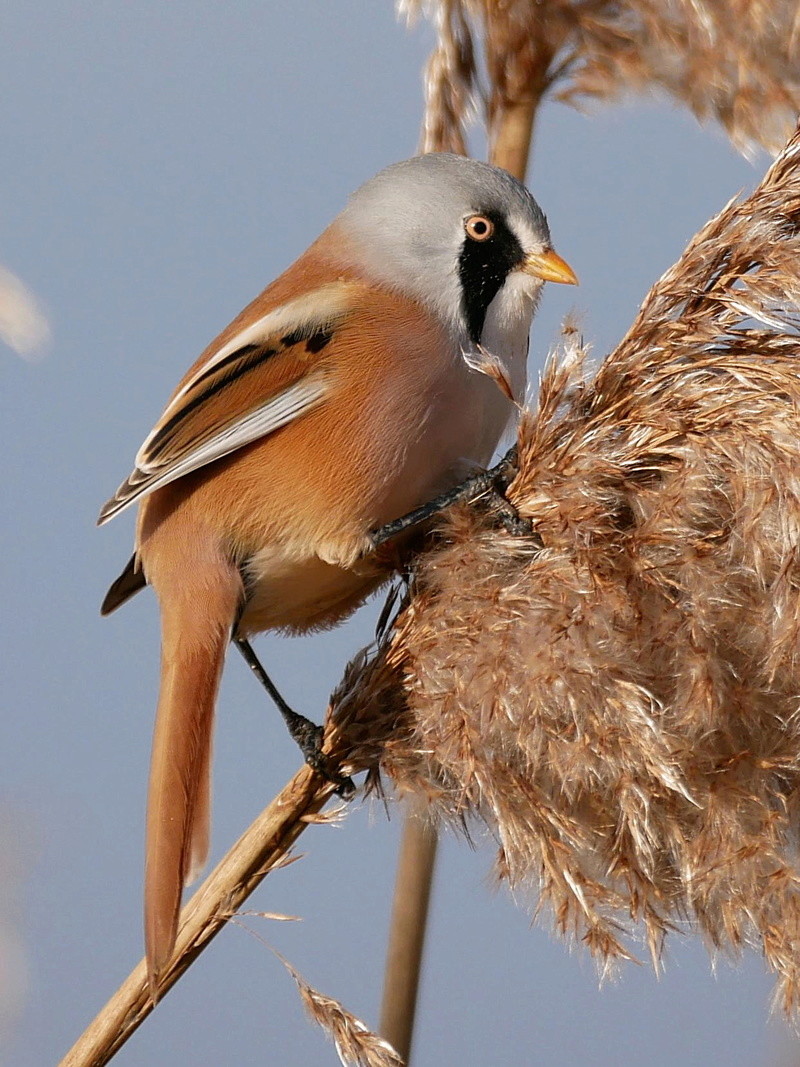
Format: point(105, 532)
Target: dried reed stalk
point(415, 869)
point(519, 74)
point(736, 62)
point(618, 695)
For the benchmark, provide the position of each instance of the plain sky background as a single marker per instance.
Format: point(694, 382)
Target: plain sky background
point(161, 162)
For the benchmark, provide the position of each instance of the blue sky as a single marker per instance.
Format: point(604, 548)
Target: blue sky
point(161, 164)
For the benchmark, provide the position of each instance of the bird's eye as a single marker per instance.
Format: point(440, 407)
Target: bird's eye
point(479, 228)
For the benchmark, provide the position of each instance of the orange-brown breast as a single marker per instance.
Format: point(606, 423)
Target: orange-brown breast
point(294, 507)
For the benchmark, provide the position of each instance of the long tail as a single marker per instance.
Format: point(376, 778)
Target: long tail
point(197, 613)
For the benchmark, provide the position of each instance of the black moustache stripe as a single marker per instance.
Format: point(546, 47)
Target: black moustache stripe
point(483, 267)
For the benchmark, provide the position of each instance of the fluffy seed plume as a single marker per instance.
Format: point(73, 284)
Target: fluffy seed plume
point(356, 1045)
point(736, 63)
point(618, 695)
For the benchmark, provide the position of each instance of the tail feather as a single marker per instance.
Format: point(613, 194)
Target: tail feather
point(195, 634)
point(197, 854)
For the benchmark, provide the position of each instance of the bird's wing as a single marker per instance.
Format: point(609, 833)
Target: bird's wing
point(127, 585)
point(267, 374)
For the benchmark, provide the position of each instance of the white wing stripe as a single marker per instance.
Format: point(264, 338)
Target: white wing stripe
point(320, 307)
point(277, 412)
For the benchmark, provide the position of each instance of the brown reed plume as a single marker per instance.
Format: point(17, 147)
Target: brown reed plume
point(736, 62)
point(618, 695)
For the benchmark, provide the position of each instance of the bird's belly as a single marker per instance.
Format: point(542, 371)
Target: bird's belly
point(298, 593)
point(306, 566)
point(315, 580)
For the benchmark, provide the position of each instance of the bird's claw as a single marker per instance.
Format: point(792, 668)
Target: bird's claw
point(309, 737)
point(512, 522)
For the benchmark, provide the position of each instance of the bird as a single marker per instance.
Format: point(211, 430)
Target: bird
point(348, 393)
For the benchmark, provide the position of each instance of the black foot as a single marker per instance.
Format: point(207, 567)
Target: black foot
point(509, 517)
point(306, 734)
point(308, 737)
point(504, 472)
point(490, 484)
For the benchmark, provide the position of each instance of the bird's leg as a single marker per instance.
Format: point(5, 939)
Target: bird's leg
point(306, 734)
point(490, 485)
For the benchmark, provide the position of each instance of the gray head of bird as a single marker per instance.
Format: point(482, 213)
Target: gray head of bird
point(455, 234)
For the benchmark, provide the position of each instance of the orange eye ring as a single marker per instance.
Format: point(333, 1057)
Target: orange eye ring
point(479, 228)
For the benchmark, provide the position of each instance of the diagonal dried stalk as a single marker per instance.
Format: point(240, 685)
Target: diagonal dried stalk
point(618, 695)
point(353, 742)
point(735, 62)
point(259, 851)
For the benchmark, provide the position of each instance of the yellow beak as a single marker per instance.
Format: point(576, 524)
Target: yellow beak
point(549, 266)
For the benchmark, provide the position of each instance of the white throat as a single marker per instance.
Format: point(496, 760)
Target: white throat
point(506, 329)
